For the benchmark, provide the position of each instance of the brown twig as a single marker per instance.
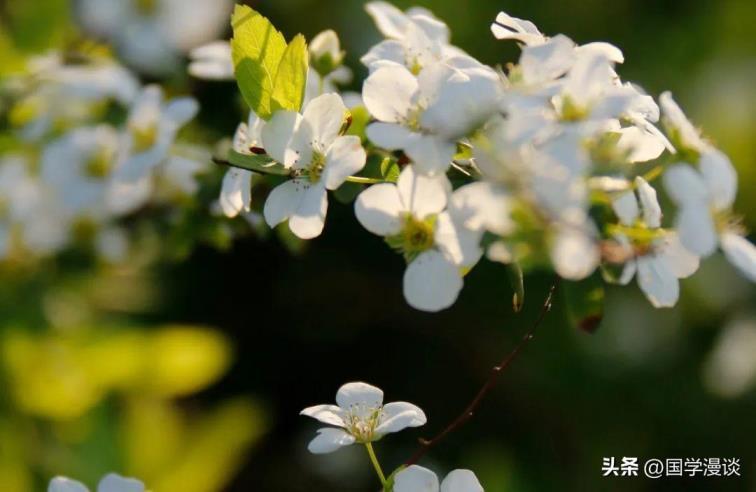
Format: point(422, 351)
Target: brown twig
point(469, 411)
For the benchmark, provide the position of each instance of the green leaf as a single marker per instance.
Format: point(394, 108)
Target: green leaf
point(291, 77)
point(585, 302)
point(257, 163)
point(390, 170)
point(257, 49)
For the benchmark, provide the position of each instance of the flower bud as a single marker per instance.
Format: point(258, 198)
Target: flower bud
point(325, 52)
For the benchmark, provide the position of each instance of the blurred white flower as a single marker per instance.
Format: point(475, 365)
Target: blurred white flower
point(310, 145)
point(730, 368)
point(418, 479)
point(151, 35)
point(109, 483)
point(360, 416)
point(236, 192)
point(212, 61)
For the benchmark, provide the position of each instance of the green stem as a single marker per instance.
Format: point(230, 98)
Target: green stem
point(376, 464)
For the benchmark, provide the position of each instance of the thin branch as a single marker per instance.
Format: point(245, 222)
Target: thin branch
point(469, 411)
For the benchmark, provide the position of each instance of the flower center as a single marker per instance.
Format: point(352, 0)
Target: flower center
point(415, 237)
point(99, 164)
point(144, 136)
point(317, 165)
point(362, 422)
point(571, 111)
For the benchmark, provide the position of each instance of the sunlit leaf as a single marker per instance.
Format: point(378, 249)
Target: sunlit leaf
point(291, 77)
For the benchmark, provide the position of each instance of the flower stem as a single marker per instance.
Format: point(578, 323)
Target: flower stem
point(376, 464)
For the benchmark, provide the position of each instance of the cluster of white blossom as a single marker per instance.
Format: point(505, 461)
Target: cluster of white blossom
point(109, 483)
point(361, 417)
point(84, 171)
point(548, 165)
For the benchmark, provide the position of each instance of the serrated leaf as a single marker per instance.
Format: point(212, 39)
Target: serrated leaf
point(291, 77)
point(585, 302)
point(256, 49)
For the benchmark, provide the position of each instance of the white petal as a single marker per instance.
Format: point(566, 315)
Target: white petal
point(431, 154)
point(388, 93)
point(625, 205)
point(544, 62)
point(277, 136)
point(329, 440)
point(325, 115)
point(652, 213)
point(423, 195)
point(390, 51)
point(611, 52)
point(507, 27)
point(379, 209)
point(344, 158)
point(179, 111)
point(62, 484)
point(124, 197)
point(431, 282)
point(236, 192)
point(675, 119)
point(720, 177)
point(741, 253)
point(696, 229)
point(684, 184)
point(308, 219)
point(658, 283)
point(117, 483)
point(681, 262)
point(483, 206)
point(400, 415)
point(415, 479)
point(461, 481)
point(389, 136)
point(574, 253)
point(461, 245)
point(283, 201)
point(391, 21)
point(328, 414)
point(359, 394)
point(642, 145)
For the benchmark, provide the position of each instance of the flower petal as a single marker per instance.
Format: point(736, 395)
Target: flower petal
point(684, 184)
point(325, 115)
point(389, 136)
point(431, 154)
point(741, 253)
point(344, 158)
point(461, 245)
point(117, 483)
point(415, 479)
point(432, 282)
point(423, 195)
point(391, 51)
point(329, 440)
point(658, 283)
point(277, 135)
point(388, 93)
point(625, 205)
point(461, 481)
point(400, 415)
point(181, 110)
point(652, 213)
point(389, 20)
point(483, 206)
point(696, 228)
point(574, 253)
point(62, 484)
point(236, 192)
point(283, 201)
point(328, 414)
point(720, 177)
point(359, 394)
point(308, 219)
point(379, 209)
point(681, 262)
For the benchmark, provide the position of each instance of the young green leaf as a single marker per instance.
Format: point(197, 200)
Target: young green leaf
point(291, 77)
point(585, 302)
point(257, 49)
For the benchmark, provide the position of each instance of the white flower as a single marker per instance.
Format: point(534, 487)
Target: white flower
point(660, 262)
point(418, 479)
point(320, 159)
point(682, 132)
point(507, 27)
point(416, 39)
point(360, 416)
point(412, 216)
point(325, 52)
point(151, 35)
point(151, 131)
point(236, 193)
point(704, 197)
point(424, 116)
point(109, 483)
point(212, 61)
